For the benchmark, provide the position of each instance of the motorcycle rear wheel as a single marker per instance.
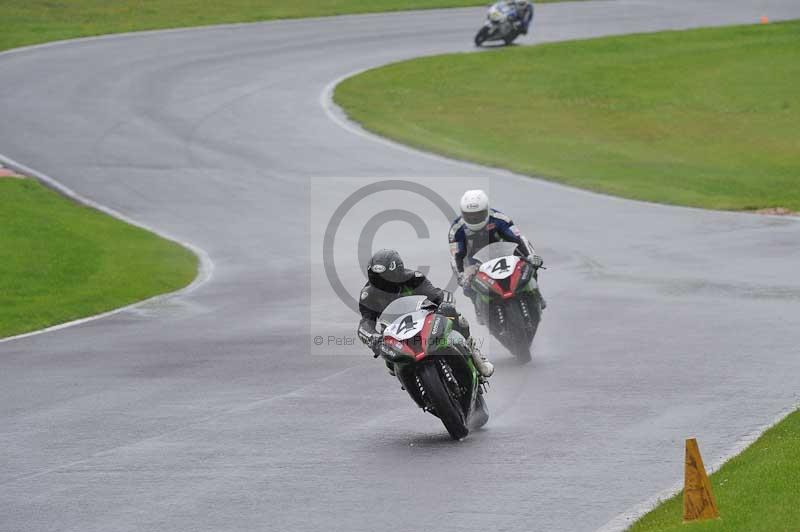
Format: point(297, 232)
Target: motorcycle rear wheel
point(446, 407)
point(509, 39)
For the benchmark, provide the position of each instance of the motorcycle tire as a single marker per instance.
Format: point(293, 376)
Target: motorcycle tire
point(534, 301)
point(481, 36)
point(522, 332)
point(446, 407)
point(481, 414)
point(509, 39)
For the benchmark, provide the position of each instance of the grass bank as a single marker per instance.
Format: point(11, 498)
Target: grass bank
point(756, 492)
point(706, 118)
point(60, 261)
point(28, 22)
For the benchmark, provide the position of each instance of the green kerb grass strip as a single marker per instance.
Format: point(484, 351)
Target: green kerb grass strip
point(60, 261)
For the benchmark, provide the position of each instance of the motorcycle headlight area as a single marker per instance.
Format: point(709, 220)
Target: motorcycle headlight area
point(483, 284)
point(496, 16)
point(395, 349)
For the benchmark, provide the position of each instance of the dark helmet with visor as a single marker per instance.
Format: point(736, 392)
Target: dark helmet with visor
point(386, 268)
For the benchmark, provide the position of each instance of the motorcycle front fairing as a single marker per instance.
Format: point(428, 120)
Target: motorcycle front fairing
point(417, 334)
point(500, 12)
point(463, 371)
point(498, 20)
point(502, 273)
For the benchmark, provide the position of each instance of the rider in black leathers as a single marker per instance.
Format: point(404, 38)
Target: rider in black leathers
point(388, 279)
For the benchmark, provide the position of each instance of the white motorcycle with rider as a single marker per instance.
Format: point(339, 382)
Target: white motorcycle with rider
point(505, 21)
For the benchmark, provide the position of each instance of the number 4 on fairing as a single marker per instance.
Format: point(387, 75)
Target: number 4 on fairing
point(500, 266)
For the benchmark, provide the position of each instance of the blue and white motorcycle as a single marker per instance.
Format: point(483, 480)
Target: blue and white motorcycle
point(504, 23)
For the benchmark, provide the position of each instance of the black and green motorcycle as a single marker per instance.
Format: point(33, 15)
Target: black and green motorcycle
point(433, 363)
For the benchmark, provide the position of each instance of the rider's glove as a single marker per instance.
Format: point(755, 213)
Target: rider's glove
point(448, 309)
point(465, 277)
point(374, 342)
point(535, 261)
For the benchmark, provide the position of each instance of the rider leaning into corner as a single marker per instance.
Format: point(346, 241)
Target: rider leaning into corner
point(524, 14)
point(477, 227)
point(388, 279)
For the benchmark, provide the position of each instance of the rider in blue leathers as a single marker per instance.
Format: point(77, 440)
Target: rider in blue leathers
point(524, 14)
point(477, 227)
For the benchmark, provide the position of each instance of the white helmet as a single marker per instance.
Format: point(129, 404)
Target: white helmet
point(475, 209)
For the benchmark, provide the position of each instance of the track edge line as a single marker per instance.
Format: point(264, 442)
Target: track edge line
point(205, 266)
point(339, 117)
point(628, 518)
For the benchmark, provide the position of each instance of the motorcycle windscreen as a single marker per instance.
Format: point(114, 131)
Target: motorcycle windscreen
point(495, 251)
point(399, 307)
point(407, 326)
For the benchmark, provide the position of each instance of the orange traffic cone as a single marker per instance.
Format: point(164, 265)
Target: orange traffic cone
point(698, 501)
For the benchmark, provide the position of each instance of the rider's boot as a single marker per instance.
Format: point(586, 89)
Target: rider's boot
point(482, 364)
point(390, 367)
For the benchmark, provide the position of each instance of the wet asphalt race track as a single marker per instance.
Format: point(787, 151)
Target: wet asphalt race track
point(208, 410)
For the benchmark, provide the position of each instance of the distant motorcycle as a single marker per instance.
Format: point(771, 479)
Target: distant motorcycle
point(432, 363)
point(508, 291)
point(502, 24)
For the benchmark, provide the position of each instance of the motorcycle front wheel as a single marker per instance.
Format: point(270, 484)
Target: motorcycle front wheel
point(445, 405)
point(481, 414)
point(522, 335)
point(481, 36)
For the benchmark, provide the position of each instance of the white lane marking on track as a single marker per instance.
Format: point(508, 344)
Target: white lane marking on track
point(205, 270)
point(336, 115)
point(232, 25)
point(623, 521)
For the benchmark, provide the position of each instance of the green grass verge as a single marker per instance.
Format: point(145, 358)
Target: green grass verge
point(758, 491)
point(60, 261)
point(26, 22)
point(706, 118)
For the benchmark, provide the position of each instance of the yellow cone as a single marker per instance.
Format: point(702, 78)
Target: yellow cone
point(698, 501)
